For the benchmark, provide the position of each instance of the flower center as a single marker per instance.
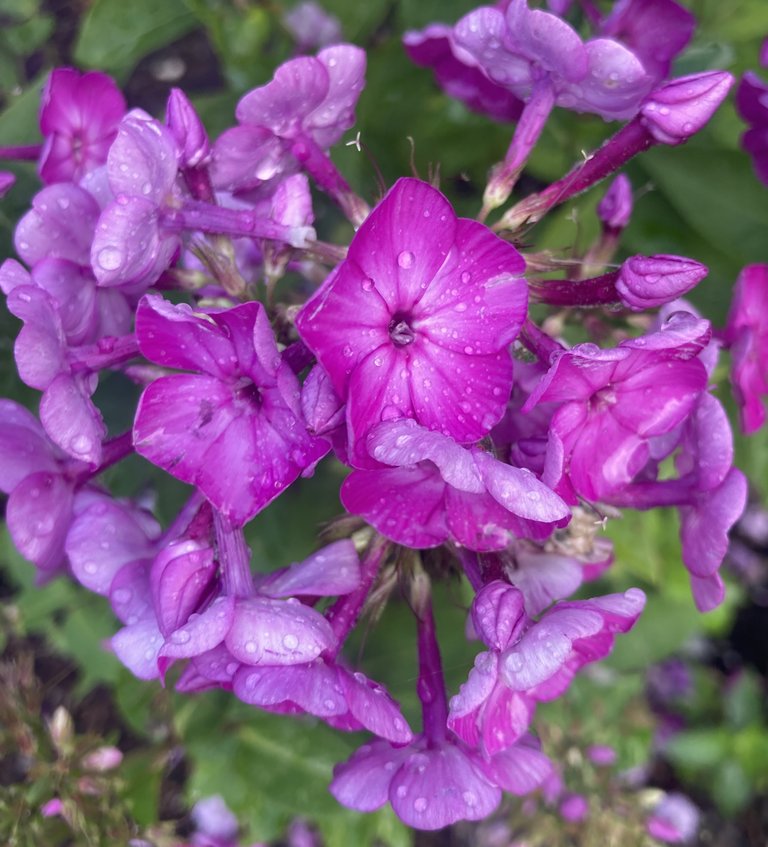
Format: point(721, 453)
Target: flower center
point(400, 331)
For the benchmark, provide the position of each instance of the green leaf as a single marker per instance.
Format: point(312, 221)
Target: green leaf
point(271, 767)
point(699, 748)
point(116, 34)
point(731, 788)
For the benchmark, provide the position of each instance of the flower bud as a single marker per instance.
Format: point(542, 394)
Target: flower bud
point(498, 614)
point(188, 130)
point(679, 109)
point(645, 282)
point(6, 181)
point(615, 209)
point(574, 808)
point(62, 730)
point(102, 759)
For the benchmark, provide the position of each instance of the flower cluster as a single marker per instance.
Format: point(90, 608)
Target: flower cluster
point(411, 355)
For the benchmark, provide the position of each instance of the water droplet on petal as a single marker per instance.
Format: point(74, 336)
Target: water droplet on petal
point(420, 804)
point(465, 277)
point(401, 791)
point(515, 662)
point(405, 259)
point(368, 284)
point(110, 258)
point(81, 444)
point(181, 636)
point(250, 647)
point(290, 642)
point(469, 798)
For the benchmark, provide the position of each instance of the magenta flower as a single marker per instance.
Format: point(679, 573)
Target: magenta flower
point(79, 115)
point(752, 106)
point(614, 401)
point(293, 120)
point(645, 282)
point(436, 490)
point(747, 335)
point(654, 30)
point(531, 661)
point(417, 320)
point(234, 426)
point(459, 75)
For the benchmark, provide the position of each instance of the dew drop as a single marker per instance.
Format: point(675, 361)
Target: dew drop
point(90, 567)
point(250, 647)
point(515, 662)
point(110, 258)
point(460, 307)
point(329, 704)
point(469, 350)
point(401, 791)
point(81, 444)
point(347, 351)
point(377, 361)
point(181, 636)
point(465, 277)
point(405, 259)
point(368, 284)
point(146, 188)
point(420, 804)
point(290, 641)
point(469, 798)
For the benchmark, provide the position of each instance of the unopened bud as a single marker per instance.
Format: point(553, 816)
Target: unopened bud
point(681, 107)
point(322, 408)
point(6, 181)
point(188, 130)
point(498, 614)
point(615, 209)
point(645, 282)
point(62, 730)
point(103, 759)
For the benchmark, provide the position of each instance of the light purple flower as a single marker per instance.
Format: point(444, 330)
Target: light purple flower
point(645, 282)
point(458, 74)
point(438, 490)
point(520, 48)
point(678, 109)
point(615, 209)
point(747, 335)
point(417, 320)
point(79, 114)
point(60, 225)
point(530, 661)
point(752, 106)
point(293, 119)
point(614, 401)
point(654, 30)
point(233, 427)
point(311, 26)
point(6, 181)
point(41, 486)
point(433, 783)
point(675, 819)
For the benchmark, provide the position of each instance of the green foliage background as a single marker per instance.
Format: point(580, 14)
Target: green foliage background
point(701, 200)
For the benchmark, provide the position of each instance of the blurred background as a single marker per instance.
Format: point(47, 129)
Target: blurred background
point(682, 700)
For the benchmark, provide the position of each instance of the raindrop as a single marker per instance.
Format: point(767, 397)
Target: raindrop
point(420, 804)
point(368, 284)
point(250, 647)
point(515, 662)
point(405, 259)
point(90, 567)
point(110, 258)
point(290, 642)
point(465, 277)
point(181, 636)
point(81, 444)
